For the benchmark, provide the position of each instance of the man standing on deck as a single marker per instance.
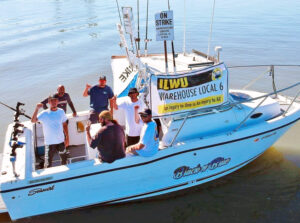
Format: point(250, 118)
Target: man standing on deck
point(148, 144)
point(109, 140)
point(63, 99)
point(55, 128)
point(132, 105)
point(100, 96)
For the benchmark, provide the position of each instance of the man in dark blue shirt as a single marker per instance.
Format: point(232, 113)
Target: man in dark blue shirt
point(100, 96)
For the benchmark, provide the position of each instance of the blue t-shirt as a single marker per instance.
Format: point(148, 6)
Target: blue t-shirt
point(99, 97)
point(149, 138)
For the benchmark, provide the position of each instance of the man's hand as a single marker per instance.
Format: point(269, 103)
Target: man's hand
point(34, 116)
point(74, 114)
point(39, 105)
point(85, 92)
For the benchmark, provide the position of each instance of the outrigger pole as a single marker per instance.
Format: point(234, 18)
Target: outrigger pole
point(146, 37)
point(138, 38)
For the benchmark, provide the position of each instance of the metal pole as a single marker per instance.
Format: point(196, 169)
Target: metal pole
point(172, 44)
point(146, 37)
point(184, 31)
point(166, 56)
point(211, 27)
point(242, 122)
point(138, 39)
point(272, 72)
point(291, 104)
point(119, 12)
point(177, 133)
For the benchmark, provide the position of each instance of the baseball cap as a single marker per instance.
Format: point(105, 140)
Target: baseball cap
point(132, 91)
point(146, 111)
point(53, 96)
point(102, 77)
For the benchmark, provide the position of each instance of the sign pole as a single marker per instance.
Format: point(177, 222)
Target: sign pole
point(173, 52)
point(166, 56)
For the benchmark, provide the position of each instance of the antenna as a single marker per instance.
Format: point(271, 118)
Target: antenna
point(211, 26)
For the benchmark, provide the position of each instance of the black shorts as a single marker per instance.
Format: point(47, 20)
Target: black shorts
point(131, 140)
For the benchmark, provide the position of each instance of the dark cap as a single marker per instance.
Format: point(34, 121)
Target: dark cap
point(146, 111)
point(132, 91)
point(102, 77)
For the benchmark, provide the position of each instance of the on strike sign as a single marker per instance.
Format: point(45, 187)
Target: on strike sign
point(164, 26)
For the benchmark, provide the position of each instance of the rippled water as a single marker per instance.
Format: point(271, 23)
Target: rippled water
point(44, 43)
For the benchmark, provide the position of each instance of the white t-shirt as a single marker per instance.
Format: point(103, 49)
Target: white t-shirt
point(132, 128)
point(149, 138)
point(53, 125)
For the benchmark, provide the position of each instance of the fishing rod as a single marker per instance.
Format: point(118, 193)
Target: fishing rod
point(16, 110)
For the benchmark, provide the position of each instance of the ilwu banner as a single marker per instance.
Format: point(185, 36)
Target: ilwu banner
point(172, 94)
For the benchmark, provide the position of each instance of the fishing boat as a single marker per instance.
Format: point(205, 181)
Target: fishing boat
point(208, 131)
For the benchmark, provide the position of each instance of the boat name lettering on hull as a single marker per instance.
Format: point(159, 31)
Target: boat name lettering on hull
point(185, 171)
point(40, 190)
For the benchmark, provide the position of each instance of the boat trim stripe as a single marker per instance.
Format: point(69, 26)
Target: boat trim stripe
point(152, 161)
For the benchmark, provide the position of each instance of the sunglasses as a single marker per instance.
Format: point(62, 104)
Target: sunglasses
point(143, 116)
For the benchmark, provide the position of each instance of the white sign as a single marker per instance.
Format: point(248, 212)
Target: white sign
point(164, 26)
point(128, 20)
point(173, 94)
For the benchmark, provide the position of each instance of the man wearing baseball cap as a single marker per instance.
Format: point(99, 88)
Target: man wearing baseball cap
point(109, 140)
point(55, 128)
point(149, 141)
point(131, 106)
point(100, 96)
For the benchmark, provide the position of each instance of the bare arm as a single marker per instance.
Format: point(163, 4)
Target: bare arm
point(111, 105)
point(85, 92)
point(88, 134)
point(66, 131)
point(135, 147)
point(70, 103)
point(136, 115)
point(34, 116)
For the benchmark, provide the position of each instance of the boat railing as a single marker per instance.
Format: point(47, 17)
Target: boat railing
point(237, 103)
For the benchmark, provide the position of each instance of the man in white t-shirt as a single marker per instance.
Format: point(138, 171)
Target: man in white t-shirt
point(132, 105)
point(149, 141)
point(55, 128)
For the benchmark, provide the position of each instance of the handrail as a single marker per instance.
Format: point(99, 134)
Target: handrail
point(248, 116)
point(265, 65)
point(291, 103)
point(185, 118)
